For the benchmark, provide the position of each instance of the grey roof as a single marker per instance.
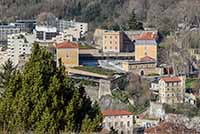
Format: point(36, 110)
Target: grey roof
point(146, 42)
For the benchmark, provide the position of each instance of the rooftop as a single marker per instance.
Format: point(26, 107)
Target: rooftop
point(116, 112)
point(147, 36)
point(171, 79)
point(147, 58)
point(169, 128)
point(67, 44)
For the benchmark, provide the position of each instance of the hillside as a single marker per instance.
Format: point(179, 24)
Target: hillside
point(162, 14)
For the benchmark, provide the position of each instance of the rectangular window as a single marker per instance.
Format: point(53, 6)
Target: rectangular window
point(121, 124)
point(116, 124)
point(128, 123)
point(109, 124)
point(67, 54)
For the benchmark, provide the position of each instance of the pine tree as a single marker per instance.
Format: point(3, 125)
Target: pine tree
point(42, 99)
point(7, 70)
point(133, 24)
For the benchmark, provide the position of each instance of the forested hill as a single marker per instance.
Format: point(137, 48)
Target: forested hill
point(162, 14)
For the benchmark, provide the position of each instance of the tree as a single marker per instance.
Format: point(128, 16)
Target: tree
point(113, 131)
point(7, 70)
point(133, 24)
point(42, 99)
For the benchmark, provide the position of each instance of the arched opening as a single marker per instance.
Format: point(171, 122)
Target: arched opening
point(142, 73)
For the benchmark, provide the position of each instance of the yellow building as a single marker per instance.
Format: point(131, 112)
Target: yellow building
point(171, 89)
point(146, 45)
point(68, 52)
point(112, 41)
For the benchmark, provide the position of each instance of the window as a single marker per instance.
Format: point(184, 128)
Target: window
point(116, 124)
point(105, 36)
point(105, 47)
point(67, 54)
point(111, 37)
point(110, 47)
point(128, 123)
point(109, 124)
point(121, 124)
point(110, 42)
point(116, 48)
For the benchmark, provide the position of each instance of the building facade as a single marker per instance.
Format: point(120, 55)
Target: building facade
point(6, 30)
point(112, 42)
point(143, 68)
point(146, 45)
point(19, 44)
point(172, 89)
point(45, 33)
point(68, 52)
point(25, 25)
point(80, 26)
point(120, 120)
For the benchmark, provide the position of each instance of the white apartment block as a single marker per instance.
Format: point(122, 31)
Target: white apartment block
point(6, 30)
point(19, 44)
point(45, 33)
point(120, 120)
point(79, 26)
point(74, 32)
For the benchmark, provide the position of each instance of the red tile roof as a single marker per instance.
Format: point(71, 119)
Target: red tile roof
point(147, 36)
point(169, 128)
point(115, 112)
point(67, 44)
point(147, 58)
point(171, 79)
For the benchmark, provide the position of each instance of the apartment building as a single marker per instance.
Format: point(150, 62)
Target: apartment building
point(45, 33)
point(19, 44)
point(74, 32)
point(120, 120)
point(172, 89)
point(25, 25)
point(146, 45)
point(6, 30)
point(68, 52)
point(112, 42)
point(80, 26)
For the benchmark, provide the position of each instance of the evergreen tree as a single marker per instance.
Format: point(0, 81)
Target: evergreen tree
point(133, 24)
point(41, 99)
point(7, 70)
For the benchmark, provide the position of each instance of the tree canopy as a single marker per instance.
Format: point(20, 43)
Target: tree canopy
point(42, 99)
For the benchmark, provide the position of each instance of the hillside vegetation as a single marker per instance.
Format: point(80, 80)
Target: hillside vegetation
point(162, 14)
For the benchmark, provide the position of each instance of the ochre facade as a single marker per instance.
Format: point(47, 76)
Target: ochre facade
point(145, 50)
point(68, 56)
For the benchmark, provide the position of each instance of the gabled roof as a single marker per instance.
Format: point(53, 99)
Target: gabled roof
point(169, 128)
point(116, 112)
point(147, 36)
point(147, 58)
point(67, 44)
point(171, 79)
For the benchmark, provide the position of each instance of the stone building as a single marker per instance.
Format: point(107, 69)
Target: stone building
point(120, 120)
point(146, 66)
